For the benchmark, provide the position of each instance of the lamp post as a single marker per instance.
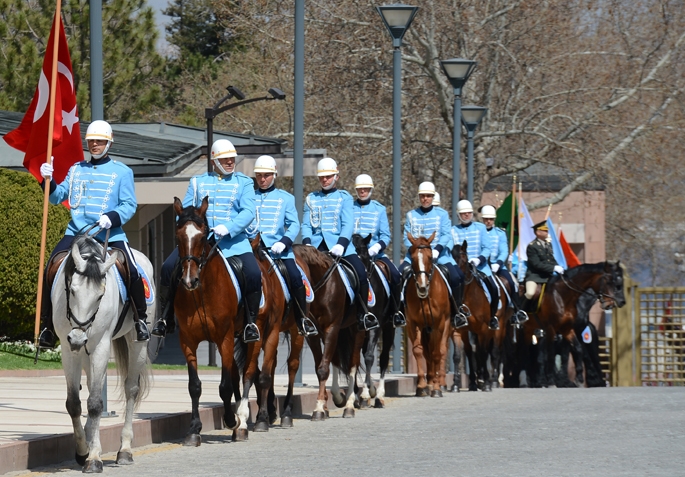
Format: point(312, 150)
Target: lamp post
point(457, 71)
point(471, 116)
point(214, 111)
point(397, 18)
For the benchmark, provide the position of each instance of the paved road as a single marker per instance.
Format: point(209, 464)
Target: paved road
point(512, 432)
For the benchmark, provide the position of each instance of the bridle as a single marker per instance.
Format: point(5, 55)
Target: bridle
point(415, 274)
point(202, 260)
point(607, 301)
point(469, 266)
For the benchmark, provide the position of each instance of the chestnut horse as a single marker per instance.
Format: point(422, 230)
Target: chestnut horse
point(336, 321)
point(383, 311)
point(427, 305)
point(558, 308)
point(206, 306)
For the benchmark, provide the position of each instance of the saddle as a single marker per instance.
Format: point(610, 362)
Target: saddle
point(351, 276)
point(537, 297)
point(237, 266)
point(121, 264)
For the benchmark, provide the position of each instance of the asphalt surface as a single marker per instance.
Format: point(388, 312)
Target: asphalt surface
point(509, 432)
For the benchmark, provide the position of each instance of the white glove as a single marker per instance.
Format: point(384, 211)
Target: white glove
point(495, 267)
point(374, 249)
point(337, 250)
point(559, 269)
point(278, 247)
point(475, 261)
point(436, 254)
point(104, 221)
point(220, 231)
point(46, 169)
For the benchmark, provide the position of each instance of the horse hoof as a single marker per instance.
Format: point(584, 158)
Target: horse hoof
point(81, 459)
point(443, 388)
point(240, 435)
point(319, 416)
point(192, 440)
point(436, 393)
point(421, 392)
point(124, 458)
point(454, 388)
point(286, 421)
point(473, 387)
point(273, 418)
point(93, 467)
point(379, 404)
point(261, 426)
point(364, 404)
point(487, 388)
point(372, 391)
point(327, 414)
point(348, 412)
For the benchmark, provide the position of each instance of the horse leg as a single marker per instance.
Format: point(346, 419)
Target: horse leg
point(349, 405)
point(384, 362)
point(417, 348)
point(471, 362)
point(577, 354)
point(456, 359)
point(296, 344)
point(96, 376)
point(496, 360)
point(266, 379)
point(72, 371)
point(322, 373)
point(133, 385)
point(369, 351)
point(232, 420)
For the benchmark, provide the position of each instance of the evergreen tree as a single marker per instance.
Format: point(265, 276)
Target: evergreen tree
point(132, 67)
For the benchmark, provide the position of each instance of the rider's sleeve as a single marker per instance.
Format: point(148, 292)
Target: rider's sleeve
point(485, 245)
point(535, 262)
point(246, 205)
point(128, 204)
point(306, 228)
point(189, 198)
point(445, 239)
point(503, 248)
point(407, 231)
point(60, 192)
point(384, 230)
point(346, 221)
point(292, 223)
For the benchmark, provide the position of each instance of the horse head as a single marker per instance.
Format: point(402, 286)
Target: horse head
point(192, 231)
point(611, 289)
point(361, 244)
point(85, 278)
point(460, 256)
point(421, 255)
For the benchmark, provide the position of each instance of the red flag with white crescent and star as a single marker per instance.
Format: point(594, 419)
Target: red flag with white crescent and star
point(32, 134)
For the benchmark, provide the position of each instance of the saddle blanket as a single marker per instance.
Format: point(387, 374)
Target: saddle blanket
point(308, 293)
point(384, 280)
point(236, 285)
point(346, 282)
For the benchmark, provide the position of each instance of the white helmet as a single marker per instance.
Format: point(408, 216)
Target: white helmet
point(464, 206)
point(326, 167)
point(265, 164)
point(488, 212)
point(427, 188)
point(363, 180)
point(221, 149)
point(100, 130)
point(436, 199)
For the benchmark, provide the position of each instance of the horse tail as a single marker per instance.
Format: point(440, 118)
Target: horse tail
point(346, 338)
point(121, 357)
point(240, 353)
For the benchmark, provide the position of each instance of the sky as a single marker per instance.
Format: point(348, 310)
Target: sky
point(160, 20)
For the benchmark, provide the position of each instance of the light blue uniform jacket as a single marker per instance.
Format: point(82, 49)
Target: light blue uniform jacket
point(94, 190)
point(231, 203)
point(276, 220)
point(372, 218)
point(329, 217)
point(478, 243)
point(499, 246)
point(423, 224)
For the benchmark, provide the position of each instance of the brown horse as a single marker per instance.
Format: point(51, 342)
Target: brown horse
point(335, 319)
point(427, 305)
point(558, 308)
point(206, 306)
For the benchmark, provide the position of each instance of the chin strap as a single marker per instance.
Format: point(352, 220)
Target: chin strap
point(104, 153)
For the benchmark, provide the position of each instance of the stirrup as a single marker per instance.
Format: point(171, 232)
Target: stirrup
point(46, 339)
point(459, 320)
point(369, 322)
point(539, 333)
point(306, 328)
point(159, 328)
point(521, 317)
point(251, 333)
point(464, 310)
point(399, 320)
point(494, 323)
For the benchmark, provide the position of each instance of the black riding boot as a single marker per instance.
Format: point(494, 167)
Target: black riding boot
point(398, 318)
point(305, 326)
point(251, 331)
point(459, 316)
point(520, 316)
point(139, 310)
point(165, 304)
point(366, 320)
point(47, 338)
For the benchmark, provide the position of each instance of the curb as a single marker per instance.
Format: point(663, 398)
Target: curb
point(23, 455)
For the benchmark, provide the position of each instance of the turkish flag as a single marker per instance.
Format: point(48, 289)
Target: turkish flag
point(32, 134)
point(571, 257)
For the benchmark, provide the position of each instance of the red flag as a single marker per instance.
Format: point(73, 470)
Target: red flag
point(32, 134)
point(571, 258)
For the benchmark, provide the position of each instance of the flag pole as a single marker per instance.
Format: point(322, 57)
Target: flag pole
point(520, 194)
point(549, 209)
point(513, 211)
point(48, 155)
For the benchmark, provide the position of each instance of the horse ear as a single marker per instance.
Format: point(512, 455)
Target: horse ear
point(411, 238)
point(464, 245)
point(430, 239)
point(111, 260)
point(78, 259)
point(204, 205)
point(367, 239)
point(178, 206)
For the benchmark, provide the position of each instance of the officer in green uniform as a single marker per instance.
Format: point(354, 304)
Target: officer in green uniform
point(541, 262)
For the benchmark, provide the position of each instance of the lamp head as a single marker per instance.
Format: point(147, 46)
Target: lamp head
point(276, 93)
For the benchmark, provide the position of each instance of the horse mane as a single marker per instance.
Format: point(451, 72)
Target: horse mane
point(586, 268)
point(314, 257)
point(188, 214)
point(91, 252)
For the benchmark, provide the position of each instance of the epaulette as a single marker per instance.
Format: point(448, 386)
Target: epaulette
point(377, 203)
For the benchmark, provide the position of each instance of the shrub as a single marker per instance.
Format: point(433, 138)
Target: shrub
point(21, 211)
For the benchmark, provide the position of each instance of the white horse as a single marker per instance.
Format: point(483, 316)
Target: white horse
point(86, 308)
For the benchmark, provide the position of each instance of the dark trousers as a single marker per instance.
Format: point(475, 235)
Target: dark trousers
point(67, 240)
point(294, 275)
point(503, 272)
point(359, 268)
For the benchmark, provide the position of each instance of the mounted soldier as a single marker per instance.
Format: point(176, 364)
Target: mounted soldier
point(541, 263)
point(231, 210)
point(423, 222)
point(278, 225)
point(500, 252)
point(328, 225)
point(371, 218)
point(100, 191)
point(478, 251)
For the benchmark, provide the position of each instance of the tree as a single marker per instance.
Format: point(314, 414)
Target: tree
point(132, 68)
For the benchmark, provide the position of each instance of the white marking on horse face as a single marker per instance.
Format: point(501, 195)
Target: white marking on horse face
point(191, 232)
point(422, 280)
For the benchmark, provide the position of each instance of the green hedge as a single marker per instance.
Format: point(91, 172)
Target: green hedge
point(21, 210)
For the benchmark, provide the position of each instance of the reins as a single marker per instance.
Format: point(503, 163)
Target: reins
point(600, 294)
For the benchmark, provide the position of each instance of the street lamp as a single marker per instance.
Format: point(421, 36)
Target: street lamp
point(233, 92)
point(457, 71)
point(471, 116)
point(397, 18)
